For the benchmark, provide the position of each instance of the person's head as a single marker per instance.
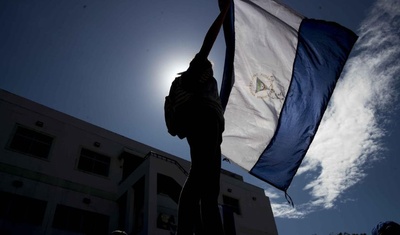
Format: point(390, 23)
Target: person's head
point(199, 63)
point(386, 228)
point(199, 67)
point(118, 232)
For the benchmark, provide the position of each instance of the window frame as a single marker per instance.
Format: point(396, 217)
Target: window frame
point(92, 162)
point(236, 207)
point(31, 140)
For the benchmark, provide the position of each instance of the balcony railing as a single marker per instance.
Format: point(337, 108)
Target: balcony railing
point(167, 159)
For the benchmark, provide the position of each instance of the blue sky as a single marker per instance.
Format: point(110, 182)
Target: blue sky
point(110, 63)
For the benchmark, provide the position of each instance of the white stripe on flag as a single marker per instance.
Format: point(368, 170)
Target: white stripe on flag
point(266, 41)
point(285, 68)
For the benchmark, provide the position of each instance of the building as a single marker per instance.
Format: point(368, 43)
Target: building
point(61, 175)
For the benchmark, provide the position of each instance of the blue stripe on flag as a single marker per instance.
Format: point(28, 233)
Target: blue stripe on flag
point(229, 34)
point(323, 48)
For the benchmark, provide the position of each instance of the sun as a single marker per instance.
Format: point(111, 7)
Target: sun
point(170, 71)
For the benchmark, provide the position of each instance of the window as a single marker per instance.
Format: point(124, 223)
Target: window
point(31, 142)
point(81, 221)
point(232, 204)
point(20, 209)
point(94, 162)
point(168, 191)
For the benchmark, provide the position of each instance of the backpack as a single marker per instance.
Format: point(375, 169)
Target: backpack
point(176, 108)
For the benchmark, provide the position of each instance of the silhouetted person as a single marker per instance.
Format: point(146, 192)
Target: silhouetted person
point(193, 110)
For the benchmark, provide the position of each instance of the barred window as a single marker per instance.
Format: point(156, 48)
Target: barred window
point(31, 142)
point(81, 221)
point(94, 162)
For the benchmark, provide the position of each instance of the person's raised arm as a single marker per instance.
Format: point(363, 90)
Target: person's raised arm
point(213, 31)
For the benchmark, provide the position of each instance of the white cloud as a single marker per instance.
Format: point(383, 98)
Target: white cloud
point(271, 195)
point(350, 132)
point(287, 211)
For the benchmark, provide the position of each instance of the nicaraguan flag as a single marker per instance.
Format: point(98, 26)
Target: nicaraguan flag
point(280, 71)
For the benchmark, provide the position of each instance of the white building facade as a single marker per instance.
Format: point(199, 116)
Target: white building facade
point(61, 175)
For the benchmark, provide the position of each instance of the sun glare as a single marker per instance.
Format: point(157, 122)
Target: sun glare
point(170, 72)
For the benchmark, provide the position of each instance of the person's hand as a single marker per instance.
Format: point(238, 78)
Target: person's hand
point(214, 30)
